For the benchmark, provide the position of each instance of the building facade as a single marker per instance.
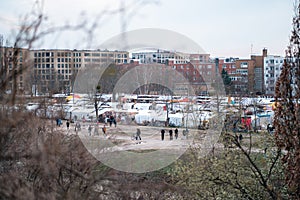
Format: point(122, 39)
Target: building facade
point(259, 71)
point(13, 69)
point(55, 70)
point(198, 69)
point(272, 69)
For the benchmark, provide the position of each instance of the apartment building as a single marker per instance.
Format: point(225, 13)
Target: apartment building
point(13, 66)
point(55, 70)
point(259, 71)
point(272, 69)
point(256, 75)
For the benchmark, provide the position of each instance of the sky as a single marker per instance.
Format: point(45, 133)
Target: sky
point(223, 28)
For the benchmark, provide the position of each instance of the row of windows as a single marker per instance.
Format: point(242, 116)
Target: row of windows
point(272, 68)
point(43, 65)
point(271, 75)
point(242, 71)
point(43, 54)
point(64, 54)
point(228, 66)
point(44, 72)
point(66, 65)
point(64, 71)
point(272, 61)
point(238, 78)
point(38, 60)
point(64, 59)
point(77, 54)
point(53, 71)
point(105, 55)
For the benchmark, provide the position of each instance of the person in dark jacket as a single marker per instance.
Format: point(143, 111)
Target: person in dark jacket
point(171, 134)
point(176, 133)
point(68, 124)
point(162, 134)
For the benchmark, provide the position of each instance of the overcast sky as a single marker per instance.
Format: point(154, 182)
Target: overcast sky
point(222, 28)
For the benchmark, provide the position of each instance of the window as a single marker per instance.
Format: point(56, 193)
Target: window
point(244, 65)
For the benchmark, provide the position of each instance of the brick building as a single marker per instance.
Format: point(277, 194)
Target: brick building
point(199, 69)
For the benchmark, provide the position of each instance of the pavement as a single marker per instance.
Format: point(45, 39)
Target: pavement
point(121, 138)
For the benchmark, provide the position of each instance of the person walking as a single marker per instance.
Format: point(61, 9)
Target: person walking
point(90, 130)
point(104, 129)
point(68, 124)
point(176, 133)
point(111, 119)
point(162, 134)
point(138, 135)
point(171, 134)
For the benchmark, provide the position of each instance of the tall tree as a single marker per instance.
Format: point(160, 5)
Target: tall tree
point(287, 115)
point(226, 80)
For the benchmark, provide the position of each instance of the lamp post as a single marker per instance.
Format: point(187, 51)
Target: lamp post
point(167, 122)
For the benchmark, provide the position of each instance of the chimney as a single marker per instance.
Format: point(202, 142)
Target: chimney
point(265, 52)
